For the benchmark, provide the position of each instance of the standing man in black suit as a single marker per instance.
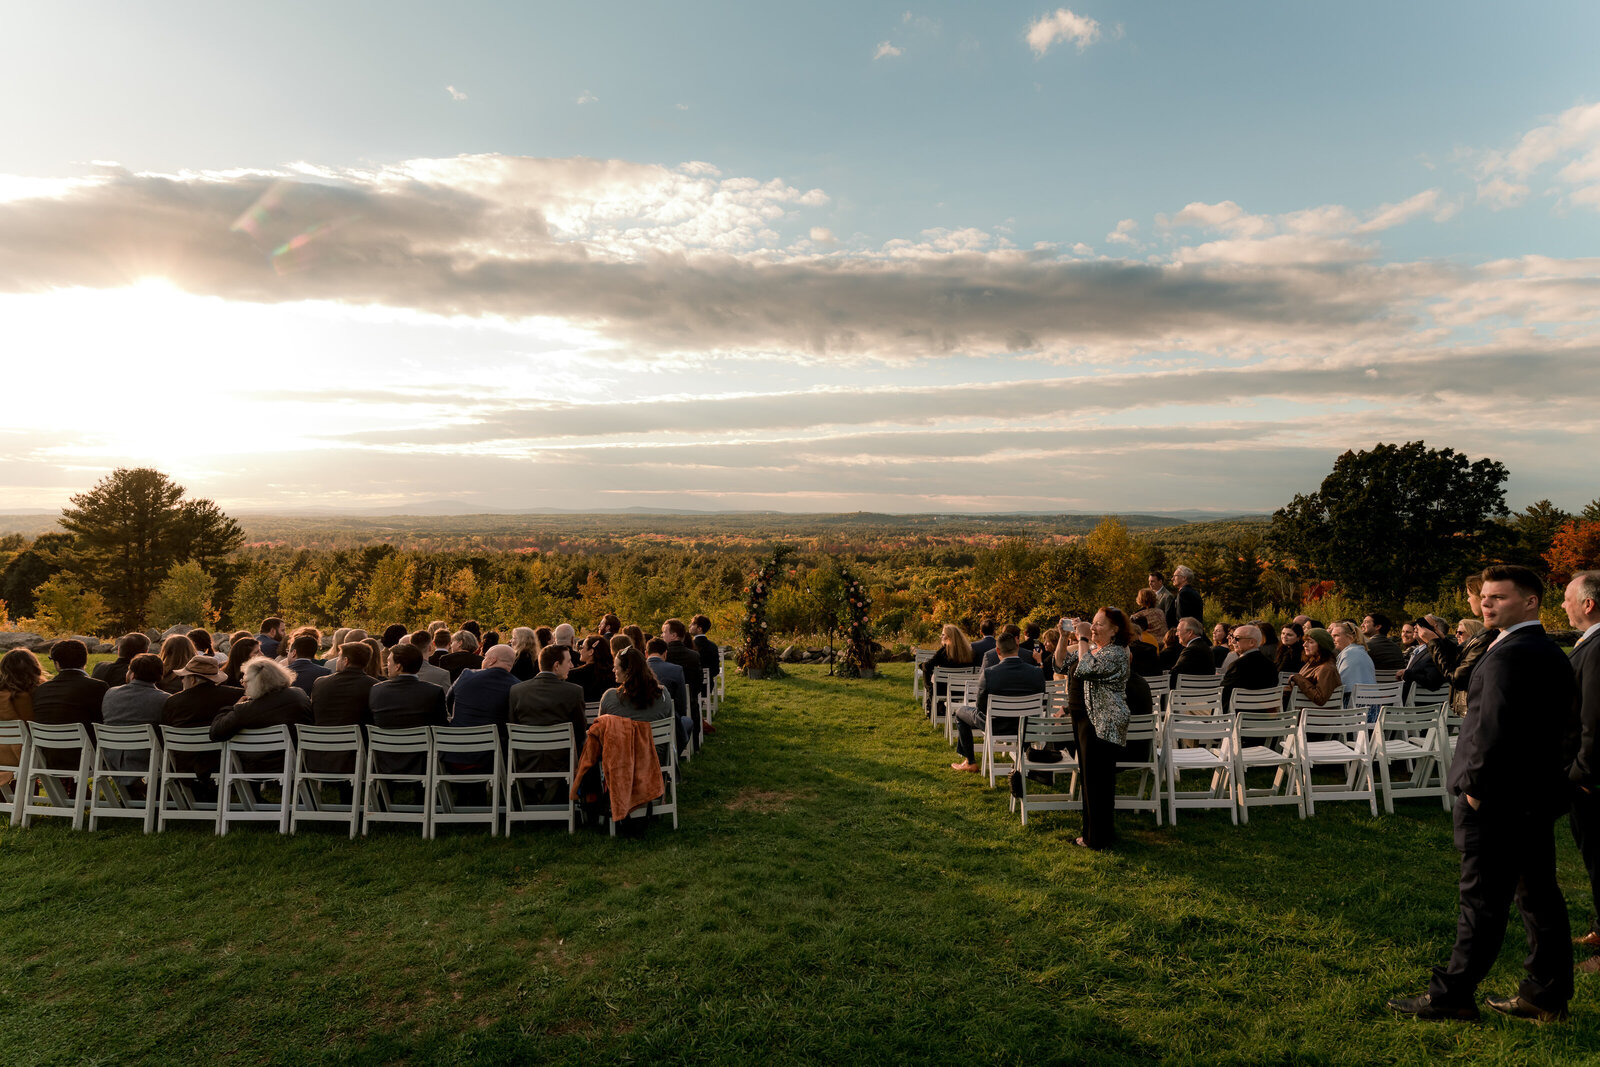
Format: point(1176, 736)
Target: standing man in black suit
point(1188, 603)
point(1509, 782)
point(1010, 676)
point(1582, 602)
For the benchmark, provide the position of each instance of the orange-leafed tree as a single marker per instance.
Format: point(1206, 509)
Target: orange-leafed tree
point(1575, 547)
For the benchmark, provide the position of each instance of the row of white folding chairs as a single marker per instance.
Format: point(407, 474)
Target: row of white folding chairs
point(1200, 690)
point(92, 787)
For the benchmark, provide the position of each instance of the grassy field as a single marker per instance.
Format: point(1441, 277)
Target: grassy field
point(835, 894)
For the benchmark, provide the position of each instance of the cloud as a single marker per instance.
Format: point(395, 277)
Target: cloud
point(1062, 25)
point(455, 94)
point(586, 97)
point(1124, 233)
point(1571, 144)
point(885, 49)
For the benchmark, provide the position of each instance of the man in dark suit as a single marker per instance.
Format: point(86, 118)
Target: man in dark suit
point(1387, 655)
point(1509, 785)
point(71, 696)
point(406, 700)
point(1011, 676)
point(1582, 602)
point(548, 699)
point(203, 698)
point(1252, 669)
point(985, 643)
point(1420, 670)
point(271, 636)
point(680, 654)
point(1188, 602)
point(670, 675)
point(1024, 651)
point(463, 654)
point(342, 697)
point(307, 670)
point(710, 655)
point(114, 672)
point(1165, 601)
point(1196, 655)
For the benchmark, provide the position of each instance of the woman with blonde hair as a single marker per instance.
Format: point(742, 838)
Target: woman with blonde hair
point(176, 652)
point(339, 637)
point(379, 663)
point(525, 644)
point(20, 675)
point(954, 651)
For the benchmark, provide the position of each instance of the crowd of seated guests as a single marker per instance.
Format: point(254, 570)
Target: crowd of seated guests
point(433, 677)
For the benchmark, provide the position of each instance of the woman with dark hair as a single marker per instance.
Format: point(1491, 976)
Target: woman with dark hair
point(1290, 639)
point(1269, 638)
point(636, 636)
point(490, 639)
point(637, 694)
point(392, 634)
point(1318, 676)
point(545, 635)
point(1171, 649)
point(610, 624)
point(595, 672)
point(240, 651)
point(176, 652)
point(20, 675)
point(1096, 654)
point(201, 640)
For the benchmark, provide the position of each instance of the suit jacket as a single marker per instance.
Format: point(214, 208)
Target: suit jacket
point(1009, 677)
point(981, 646)
point(1194, 659)
point(1025, 654)
point(1145, 659)
point(1421, 670)
point(1253, 670)
point(437, 675)
point(710, 655)
point(1583, 766)
point(479, 698)
point(200, 705)
point(306, 672)
point(456, 662)
point(1521, 700)
point(282, 707)
point(1387, 656)
point(670, 675)
point(547, 700)
point(1190, 604)
point(113, 672)
point(134, 704)
point(71, 696)
point(1168, 603)
point(340, 698)
point(406, 701)
point(681, 655)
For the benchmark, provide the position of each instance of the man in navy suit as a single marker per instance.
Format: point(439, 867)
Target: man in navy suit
point(306, 669)
point(986, 642)
point(1510, 785)
point(1582, 602)
point(1011, 676)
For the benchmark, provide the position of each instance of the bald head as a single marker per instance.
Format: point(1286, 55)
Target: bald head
point(1246, 638)
point(499, 657)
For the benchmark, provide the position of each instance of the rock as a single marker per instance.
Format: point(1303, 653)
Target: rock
point(791, 655)
point(155, 638)
point(31, 642)
point(170, 631)
point(94, 644)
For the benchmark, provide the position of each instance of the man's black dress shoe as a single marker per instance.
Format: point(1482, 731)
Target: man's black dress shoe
point(1423, 1007)
point(1517, 1008)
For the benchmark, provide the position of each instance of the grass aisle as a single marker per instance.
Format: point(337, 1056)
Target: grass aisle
point(836, 893)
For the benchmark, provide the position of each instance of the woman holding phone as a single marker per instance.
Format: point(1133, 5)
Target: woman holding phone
point(1096, 654)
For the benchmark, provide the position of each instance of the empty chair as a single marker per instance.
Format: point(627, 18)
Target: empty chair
point(591, 711)
point(998, 744)
point(1160, 686)
point(1038, 732)
point(1373, 696)
point(13, 735)
point(187, 794)
point(961, 691)
point(662, 733)
point(1055, 696)
point(1416, 736)
point(62, 791)
point(251, 759)
point(311, 775)
point(1336, 737)
point(1195, 702)
point(123, 794)
point(459, 761)
point(1198, 683)
point(1418, 697)
point(1268, 738)
point(919, 656)
point(402, 756)
point(1215, 738)
point(1143, 730)
point(540, 764)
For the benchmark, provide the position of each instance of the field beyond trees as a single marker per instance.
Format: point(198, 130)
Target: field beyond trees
point(835, 894)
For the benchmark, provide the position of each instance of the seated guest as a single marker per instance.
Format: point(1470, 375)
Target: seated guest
point(546, 636)
point(270, 699)
point(481, 697)
point(1142, 654)
point(1220, 648)
point(340, 698)
point(1252, 669)
point(1031, 642)
point(1010, 676)
point(71, 696)
point(710, 654)
point(463, 654)
point(953, 651)
point(239, 653)
point(1387, 656)
point(1195, 657)
point(139, 702)
point(1318, 676)
point(406, 700)
point(525, 644)
point(378, 664)
point(489, 639)
point(201, 639)
point(203, 697)
point(680, 652)
point(1408, 637)
point(1269, 638)
point(472, 627)
point(115, 672)
point(20, 675)
point(637, 695)
point(1355, 666)
point(1420, 670)
point(306, 669)
point(548, 699)
point(595, 672)
point(176, 652)
point(1466, 630)
point(635, 637)
point(1150, 616)
point(1140, 702)
point(566, 635)
point(985, 642)
point(441, 646)
point(428, 672)
point(392, 635)
point(609, 626)
point(340, 636)
point(991, 657)
point(270, 637)
point(1171, 649)
point(1291, 640)
point(670, 675)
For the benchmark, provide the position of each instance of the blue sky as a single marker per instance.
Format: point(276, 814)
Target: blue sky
point(840, 256)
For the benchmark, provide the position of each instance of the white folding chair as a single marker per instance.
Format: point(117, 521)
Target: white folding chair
point(1344, 738)
point(1195, 702)
point(1417, 736)
point(722, 675)
point(1160, 686)
point(1198, 683)
point(662, 732)
point(1374, 696)
point(270, 750)
point(939, 704)
point(62, 791)
point(443, 783)
point(327, 741)
point(396, 757)
point(919, 656)
point(1267, 738)
point(591, 711)
point(1452, 733)
point(1418, 697)
point(961, 692)
point(13, 734)
point(534, 741)
point(1299, 701)
point(1215, 738)
point(1007, 744)
point(1143, 729)
point(708, 695)
point(114, 795)
point(1037, 732)
point(178, 799)
point(1284, 676)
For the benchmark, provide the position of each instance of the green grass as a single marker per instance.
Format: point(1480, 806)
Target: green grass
point(835, 894)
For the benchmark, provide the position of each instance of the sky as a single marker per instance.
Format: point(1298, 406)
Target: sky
point(1131, 257)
